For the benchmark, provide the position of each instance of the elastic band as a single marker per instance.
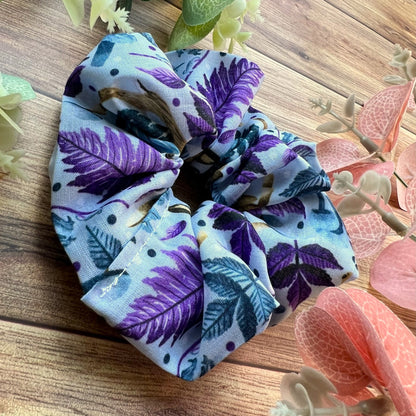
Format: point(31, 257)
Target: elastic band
point(187, 288)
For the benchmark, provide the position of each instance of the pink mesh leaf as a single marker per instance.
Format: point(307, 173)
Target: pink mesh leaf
point(367, 233)
point(336, 153)
point(406, 169)
point(359, 168)
point(322, 341)
point(410, 200)
point(385, 344)
point(394, 273)
point(399, 345)
point(381, 116)
point(411, 106)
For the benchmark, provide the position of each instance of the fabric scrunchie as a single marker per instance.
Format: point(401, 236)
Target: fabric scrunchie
point(187, 288)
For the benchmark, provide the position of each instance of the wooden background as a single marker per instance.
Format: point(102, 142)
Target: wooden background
point(56, 356)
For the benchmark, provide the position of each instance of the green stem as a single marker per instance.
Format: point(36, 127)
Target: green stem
point(10, 121)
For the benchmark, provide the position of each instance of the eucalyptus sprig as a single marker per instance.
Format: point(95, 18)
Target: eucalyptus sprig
point(346, 123)
point(343, 124)
point(401, 60)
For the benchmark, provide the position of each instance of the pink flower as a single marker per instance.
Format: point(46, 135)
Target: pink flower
point(356, 342)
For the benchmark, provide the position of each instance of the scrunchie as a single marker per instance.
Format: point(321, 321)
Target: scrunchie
point(187, 288)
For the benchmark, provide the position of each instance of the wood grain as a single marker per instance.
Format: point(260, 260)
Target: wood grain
point(56, 356)
point(46, 372)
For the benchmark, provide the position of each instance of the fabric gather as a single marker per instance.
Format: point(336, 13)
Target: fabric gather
point(187, 287)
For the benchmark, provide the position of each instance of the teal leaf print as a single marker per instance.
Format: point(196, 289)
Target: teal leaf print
point(90, 283)
point(307, 181)
point(241, 292)
point(222, 285)
point(103, 247)
point(218, 318)
point(206, 365)
point(188, 373)
point(246, 317)
point(229, 276)
point(63, 229)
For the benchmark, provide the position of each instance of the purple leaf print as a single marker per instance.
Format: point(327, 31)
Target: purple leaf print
point(165, 76)
point(227, 88)
point(266, 142)
point(177, 305)
point(74, 85)
point(229, 219)
point(288, 156)
point(240, 243)
point(280, 257)
point(175, 230)
point(255, 237)
point(250, 166)
point(245, 176)
point(204, 124)
point(291, 206)
point(299, 267)
point(317, 256)
point(219, 209)
point(304, 151)
point(105, 167)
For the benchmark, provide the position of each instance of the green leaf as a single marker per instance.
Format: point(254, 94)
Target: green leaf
point(124, 4)
point(75, 9)
point(6, 117)
point(197, 12)
point(183, 35)
point(16, 85)
point(10, 101)
point(98, 7)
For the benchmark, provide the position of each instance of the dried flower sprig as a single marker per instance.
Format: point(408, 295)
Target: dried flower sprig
point(108, 10)
point(343, 124)
point(13, 91)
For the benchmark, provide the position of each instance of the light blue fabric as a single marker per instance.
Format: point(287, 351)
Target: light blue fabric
point(187, 288)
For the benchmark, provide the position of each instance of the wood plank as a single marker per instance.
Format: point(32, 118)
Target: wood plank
point(50, 373)
point(394, 21)
point(38, 282)
point(300, 35)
